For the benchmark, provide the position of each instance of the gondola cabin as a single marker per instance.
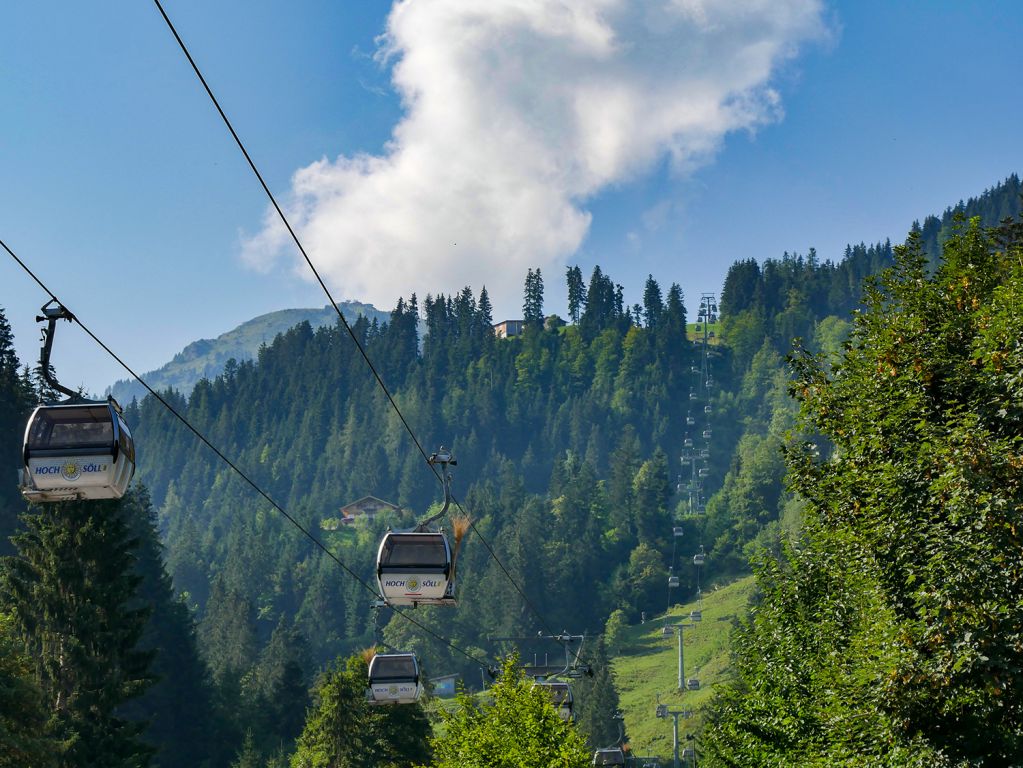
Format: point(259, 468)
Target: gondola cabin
point(77, 451)
point(673, 581)
point(614, 756)
point(415, 568)
point(561, 697)
point(698, 559)
point(677, 531)
point(394, 679)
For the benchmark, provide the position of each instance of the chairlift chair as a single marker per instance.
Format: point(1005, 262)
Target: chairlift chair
point(415, 568)
point(394, 678)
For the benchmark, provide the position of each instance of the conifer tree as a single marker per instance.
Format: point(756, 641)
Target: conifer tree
point(73, 592)
point(576, 293)
point(183, 736)
point(532, 302)
point(22, 713)
point(343, 730)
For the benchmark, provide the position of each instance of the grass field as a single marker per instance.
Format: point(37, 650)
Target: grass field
point(646, 665)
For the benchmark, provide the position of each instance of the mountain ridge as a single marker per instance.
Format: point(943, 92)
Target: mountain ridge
point(206, 358)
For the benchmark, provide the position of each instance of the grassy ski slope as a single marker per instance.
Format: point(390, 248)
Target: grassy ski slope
point(646, 665)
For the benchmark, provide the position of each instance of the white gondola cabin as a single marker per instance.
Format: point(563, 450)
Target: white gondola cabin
point(560, 694)
point(698, 559)
point(415, 568)
point(696, 615)
point(614, 756)
point(677, 531)
point(394, 678)
point(693, 684)
point(78, 450)
point(672, 581)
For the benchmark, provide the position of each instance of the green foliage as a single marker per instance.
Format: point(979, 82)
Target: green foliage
point(342, 730)
point(72, 591)
point(515, 726)
point(893, 633)
point(16, 398)
point(22, 713)
point(183, 736)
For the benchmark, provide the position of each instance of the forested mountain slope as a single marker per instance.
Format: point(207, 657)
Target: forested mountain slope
point(568, 441)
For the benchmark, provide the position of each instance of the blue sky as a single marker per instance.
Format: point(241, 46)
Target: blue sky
point(125, 193)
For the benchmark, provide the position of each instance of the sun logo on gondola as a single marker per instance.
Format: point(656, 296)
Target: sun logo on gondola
point(413, 585)
point(70, 471)
point(393, 690)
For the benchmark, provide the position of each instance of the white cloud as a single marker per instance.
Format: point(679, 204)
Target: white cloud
point(516, 112)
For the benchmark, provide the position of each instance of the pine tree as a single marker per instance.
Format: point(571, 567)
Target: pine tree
point(183, 736)
point(73, 592)
point(532, 302)
point(14, 406)
point(597, 713)
point(653, 303)
point(343, 730)
point(576, 293)
point(22, 713)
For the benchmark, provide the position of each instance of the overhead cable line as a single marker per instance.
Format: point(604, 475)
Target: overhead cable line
point(243, 475)
point(333, 303)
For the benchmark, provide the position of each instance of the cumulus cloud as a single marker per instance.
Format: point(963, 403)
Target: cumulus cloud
point(516, 112)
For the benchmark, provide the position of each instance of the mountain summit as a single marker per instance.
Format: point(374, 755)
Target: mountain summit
point(205, 358)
